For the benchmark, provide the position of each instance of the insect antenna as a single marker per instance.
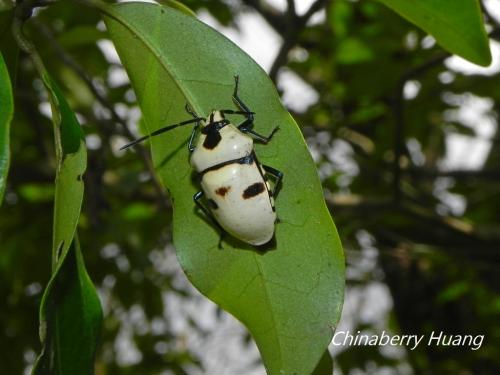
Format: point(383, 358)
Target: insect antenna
point(233, 112)
point(162, 130)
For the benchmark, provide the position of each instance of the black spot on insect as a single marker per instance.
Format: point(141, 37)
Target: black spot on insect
point(253, 190)
point(212, 140)
point(212, 204)
point(223, 190)
point(79, 177)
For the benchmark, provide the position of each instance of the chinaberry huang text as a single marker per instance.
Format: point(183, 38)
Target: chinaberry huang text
point(435, 338)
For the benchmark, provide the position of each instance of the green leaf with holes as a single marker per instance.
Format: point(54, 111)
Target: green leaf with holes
point(456, 25)
point(70, 311)
point(290, 297)
point(6, 113)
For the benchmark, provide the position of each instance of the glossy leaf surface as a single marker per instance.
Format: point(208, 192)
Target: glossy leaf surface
point(457, 25)
point(289, 297)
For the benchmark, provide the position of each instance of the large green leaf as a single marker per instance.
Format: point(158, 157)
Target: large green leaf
point(70, 312)
point(457, 25)
point(290, 298)
point(6, 113)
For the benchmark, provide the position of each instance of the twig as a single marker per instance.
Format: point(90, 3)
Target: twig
point(291, 8)
point(486, 174)
point(367, 208)
point(282, 57)
point(294, 26)
point(399, 127)
point(273, 17)
point(317, 5)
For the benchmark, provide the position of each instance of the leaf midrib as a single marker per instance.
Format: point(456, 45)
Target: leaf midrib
point(151, 46)
point(268, 301)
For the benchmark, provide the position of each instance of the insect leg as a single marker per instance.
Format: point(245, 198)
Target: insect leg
point(248, 122)
point(237, 99)
point(278, 175)
point(258, 136)
point(191, 111)
point(191, 146)
point(207, 212)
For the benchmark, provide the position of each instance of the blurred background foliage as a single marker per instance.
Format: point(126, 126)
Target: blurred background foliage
point(406, 145)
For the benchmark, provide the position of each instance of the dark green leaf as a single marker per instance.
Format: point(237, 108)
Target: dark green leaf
point(70, 317)
point(290, 298)
point(457, 25)
point(6, 113)
point(70, 313)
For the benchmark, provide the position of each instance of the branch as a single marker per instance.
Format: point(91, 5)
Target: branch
point(294, 26)
point(486, 174)
point(374, 207)
point(273, 17)
point(291, 8)
point(316, 6)
point(444, 232)
point(282, 57)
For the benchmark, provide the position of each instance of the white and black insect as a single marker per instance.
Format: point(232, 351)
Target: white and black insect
point(235, 193)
